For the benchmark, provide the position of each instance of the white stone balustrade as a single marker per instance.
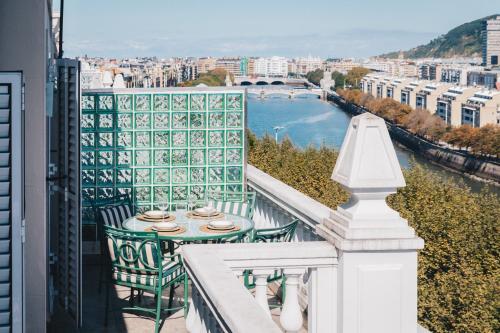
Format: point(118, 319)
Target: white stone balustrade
point(371, 286)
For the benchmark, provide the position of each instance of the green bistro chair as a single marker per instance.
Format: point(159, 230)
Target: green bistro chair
point(236, 203)
point(110, 212)
point(137, 262)
point(272, 235)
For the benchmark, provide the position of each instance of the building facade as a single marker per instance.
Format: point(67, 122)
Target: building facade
point(491, 42)
point(271, 67)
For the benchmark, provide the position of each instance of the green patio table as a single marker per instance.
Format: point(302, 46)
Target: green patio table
point(193, 232)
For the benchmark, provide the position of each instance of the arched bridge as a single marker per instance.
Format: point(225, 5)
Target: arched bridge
point(264, 81)
point(287, 91)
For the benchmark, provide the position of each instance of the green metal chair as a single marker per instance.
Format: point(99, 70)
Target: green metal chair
point(272, 235)
point(137, 262)
point(236, 203)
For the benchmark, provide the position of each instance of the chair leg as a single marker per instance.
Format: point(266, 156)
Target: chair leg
point(283, 289)
point(131, 299)
point(158, 309)
point(171, 298)
point(186, 287)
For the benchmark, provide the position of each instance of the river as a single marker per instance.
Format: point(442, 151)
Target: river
point(306, 120)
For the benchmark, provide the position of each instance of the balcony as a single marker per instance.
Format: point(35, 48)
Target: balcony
point(353, 269)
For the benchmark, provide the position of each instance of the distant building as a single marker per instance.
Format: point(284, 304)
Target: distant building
point(341, 65)
point(271, 67)
point(205, 65)
point(491, 42)
point(429, 71)
point(449, 104)
point(481, 109)
point(487, 79)
point(426, 97)
point(231, 65)
point(303, 66)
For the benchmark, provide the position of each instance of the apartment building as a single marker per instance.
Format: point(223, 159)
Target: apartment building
point(231, 65)
point(482, 108)
point(486, 79)
point(449, 104)
point(409, 93)
point(341, 65)
point(271, 67)
point(205, 65)
point(491, 42)
point(429, 71)
point(426, 97)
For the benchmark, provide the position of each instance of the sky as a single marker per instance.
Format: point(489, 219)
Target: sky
point(324, 28)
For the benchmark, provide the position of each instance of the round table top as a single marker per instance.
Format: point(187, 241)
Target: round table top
point(192, 226)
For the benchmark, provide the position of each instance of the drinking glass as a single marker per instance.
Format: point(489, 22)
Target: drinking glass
point(163, 206)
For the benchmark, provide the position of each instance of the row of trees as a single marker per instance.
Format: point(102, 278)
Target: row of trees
point(352, 78)
point(459, 275)
point(480, 141)
point(213, 78)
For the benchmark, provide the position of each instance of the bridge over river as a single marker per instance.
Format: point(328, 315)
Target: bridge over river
point(275, 81)
point(291, 92)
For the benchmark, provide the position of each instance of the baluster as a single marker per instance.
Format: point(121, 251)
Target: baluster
point(260, 277)
point(258, 216)
point(291, 315)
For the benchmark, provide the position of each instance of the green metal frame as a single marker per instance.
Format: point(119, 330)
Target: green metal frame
point(229, 197)
point(130, 258)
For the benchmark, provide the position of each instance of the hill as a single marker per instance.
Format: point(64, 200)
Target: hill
point(462, 41)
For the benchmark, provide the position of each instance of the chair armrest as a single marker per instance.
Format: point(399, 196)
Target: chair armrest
point(174, 257)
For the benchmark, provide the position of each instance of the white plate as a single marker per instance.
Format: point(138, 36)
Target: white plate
point(156, 214)
point(164, 226)
point(221, 224)
point(205, 210)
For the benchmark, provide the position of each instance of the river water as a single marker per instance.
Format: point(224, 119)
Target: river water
point(306, 120)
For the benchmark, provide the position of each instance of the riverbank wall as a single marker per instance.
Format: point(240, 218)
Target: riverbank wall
point(487, 170)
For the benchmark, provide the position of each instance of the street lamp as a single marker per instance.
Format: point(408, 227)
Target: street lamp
point(276, 130)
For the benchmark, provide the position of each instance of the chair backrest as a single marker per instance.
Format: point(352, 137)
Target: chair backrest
point(133, 252)
point(236, 203)
point(113, 211)
point(274, 235)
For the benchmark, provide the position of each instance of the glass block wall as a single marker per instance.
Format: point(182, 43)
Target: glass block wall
point(161, 145)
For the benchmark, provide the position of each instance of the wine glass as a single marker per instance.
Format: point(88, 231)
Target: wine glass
point(163, 206)
point(192, 202)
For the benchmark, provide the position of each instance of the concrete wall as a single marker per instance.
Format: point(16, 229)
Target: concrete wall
point(23, 46)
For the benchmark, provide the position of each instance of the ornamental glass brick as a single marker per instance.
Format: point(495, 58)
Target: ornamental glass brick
point(142, 120)
point(143, 194)
point(179, 157)
point(214, 189)
point(234, 101)
point(216, 102)
point(88, 159)
point(161, 175)
point(123, 158)
point(215, 156)
point(88, 177)
point(179, 120)
point(197, 138)
point(143, 207)
point(197, 191)
point(179, 102)
point(142, 157)
point(161, 138)
point(234, 119)
point(142, 139)
point(88, 140)
point(233, 174)
point(197, 157)
point(105, 102)
point(197, 102)
point(179, 139)
point(161, 157)
point(215, 174)
point(142, 102)
point(161, 120)
point(216, 138)
point(105, 177)
point(216, 120)
point(124, 121)
point(197, 120)
point(124, 139)
point(161, 102)
point(105, 139)
point(179, 175)
point(88, 102)
point(105, 158)
point(124, 176)
point(88, 195)
point(197, 175)
point(124, 191)
point(234, 156)
point(179, 193)
point(234, 138)
point(233, 188)
point(161, 194)
point(105, 121)
point(142, 176)
point(87, 122)
point(124, 102)
point(104, 193)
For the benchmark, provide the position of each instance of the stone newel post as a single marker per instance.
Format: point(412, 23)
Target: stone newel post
point(377, 273)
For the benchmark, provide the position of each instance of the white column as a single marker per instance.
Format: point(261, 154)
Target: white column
point(260, 277)
point(291, 315)
point(322, 299)
point(377, 272)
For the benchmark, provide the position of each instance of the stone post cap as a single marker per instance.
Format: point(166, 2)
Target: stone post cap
point(367, 158)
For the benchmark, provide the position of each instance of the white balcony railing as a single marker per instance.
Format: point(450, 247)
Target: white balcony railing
point(221, 303)
point(370, 287)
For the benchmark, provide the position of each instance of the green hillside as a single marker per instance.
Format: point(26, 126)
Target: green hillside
point(462, 41)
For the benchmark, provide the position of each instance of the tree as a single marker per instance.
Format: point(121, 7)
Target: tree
point(315, 76)
point(213, 78)
point(355, 75)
